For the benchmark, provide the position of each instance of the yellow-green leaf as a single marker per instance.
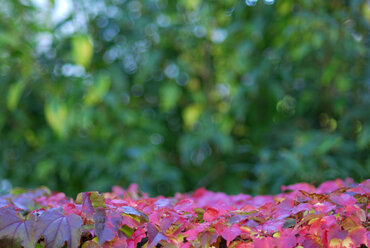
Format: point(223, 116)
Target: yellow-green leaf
point(191, 114)
point(191, 4)
point(91, 244)
point(97, 200)
point(98, 90)
point(56, 113)
point(14, 94)
point(128, 231)
point(82, 50)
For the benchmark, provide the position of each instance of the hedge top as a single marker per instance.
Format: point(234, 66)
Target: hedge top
point(336, 214)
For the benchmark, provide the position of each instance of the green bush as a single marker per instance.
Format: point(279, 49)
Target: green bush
point(175, 95)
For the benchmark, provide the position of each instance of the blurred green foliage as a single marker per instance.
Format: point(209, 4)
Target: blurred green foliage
point(237, 96)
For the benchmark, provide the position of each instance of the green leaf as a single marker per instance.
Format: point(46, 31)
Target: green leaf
point(44, 169)
point(14, 94)
point(364, 137)
point(128, 231)
point(329, 143)
point(169, 96)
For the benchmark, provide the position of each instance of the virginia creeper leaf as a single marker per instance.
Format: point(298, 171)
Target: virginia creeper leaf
point(154, 236)
point(211, 214)
point(90, 201)
point(58, 229)
point(106, 227)
point(16, 230)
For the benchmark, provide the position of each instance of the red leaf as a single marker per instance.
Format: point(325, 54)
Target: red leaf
point(299, 186)
point(272, 226)
point(136, 237)
point(58, 228)
point(192, 234)
point(287, 239)
point(244, 245)
point(363, 188)
point(228, 233)
point(324, 207)
point(185, 205)
point(301, 207)
point(211, 214)
point(70, 208)
point(267, 242)
point(335, 232)
point(330, 186)
point(185, 245)
point(116, 243)
point(118, 191)
point(359, 236)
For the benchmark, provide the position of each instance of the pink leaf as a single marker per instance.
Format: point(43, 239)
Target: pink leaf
point(267, 242)
point(343, 199)
point(192, 234)
point(363, 188)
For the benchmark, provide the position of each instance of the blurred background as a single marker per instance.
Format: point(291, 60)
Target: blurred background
point(234, 96)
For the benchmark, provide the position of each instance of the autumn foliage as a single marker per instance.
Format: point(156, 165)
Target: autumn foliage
point(335, 214)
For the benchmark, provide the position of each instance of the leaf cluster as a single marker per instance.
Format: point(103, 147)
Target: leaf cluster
point(336, 214)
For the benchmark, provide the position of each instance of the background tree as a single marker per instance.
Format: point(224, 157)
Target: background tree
point(173, 95)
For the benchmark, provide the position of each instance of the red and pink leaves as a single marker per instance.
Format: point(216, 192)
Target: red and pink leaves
point(333, 215)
